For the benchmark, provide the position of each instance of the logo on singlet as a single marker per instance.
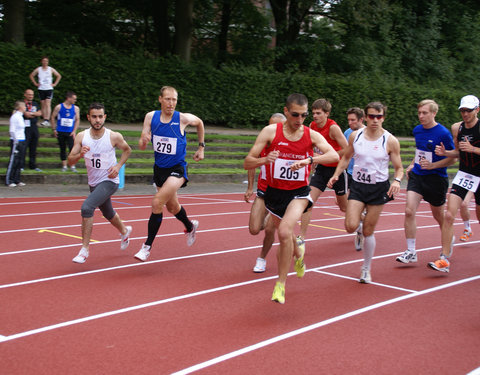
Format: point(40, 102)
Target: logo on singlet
point(282, 143)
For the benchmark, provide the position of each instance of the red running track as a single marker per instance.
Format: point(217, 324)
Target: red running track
point(201, 309)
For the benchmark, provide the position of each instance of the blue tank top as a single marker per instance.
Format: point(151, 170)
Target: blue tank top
point(66, 119)
point(169, 144)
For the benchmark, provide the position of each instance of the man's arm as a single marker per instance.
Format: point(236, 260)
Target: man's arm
point(78, 151)
point(32, 77)
point(393, 149)
point(344, 161)
point(146, 131)
point(189, 119)
point(250, 179)
point(57, 76)
point(119, 142)
point(266, 136)
point(337, 135)
point(77, 121)
point(53, 117)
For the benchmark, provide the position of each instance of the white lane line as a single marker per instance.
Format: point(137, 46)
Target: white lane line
point(320, 324)
point(373, 283)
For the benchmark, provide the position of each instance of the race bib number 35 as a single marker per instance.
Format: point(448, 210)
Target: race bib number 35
point(283, 171)
point(165, 145)
point(363, 175)
point(466, 181)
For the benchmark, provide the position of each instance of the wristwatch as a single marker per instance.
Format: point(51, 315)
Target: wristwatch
point(201, 144)
point(397, 179)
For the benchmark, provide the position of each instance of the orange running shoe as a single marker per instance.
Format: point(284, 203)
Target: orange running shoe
point(442, 265)
point(467, 233)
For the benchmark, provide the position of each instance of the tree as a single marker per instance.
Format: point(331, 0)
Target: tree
point(14, 21)
point(183, 29)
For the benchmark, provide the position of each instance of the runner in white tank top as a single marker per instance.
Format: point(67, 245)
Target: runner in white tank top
point(97, 145)
point(372, 148)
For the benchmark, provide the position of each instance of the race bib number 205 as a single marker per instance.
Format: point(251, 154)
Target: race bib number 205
point(283, 171)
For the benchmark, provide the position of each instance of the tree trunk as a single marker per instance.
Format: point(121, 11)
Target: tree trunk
point(14, 12)
point(224, 26)
point(183, 28)
point(160, 24)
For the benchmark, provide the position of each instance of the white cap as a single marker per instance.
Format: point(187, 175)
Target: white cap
point(469, 101)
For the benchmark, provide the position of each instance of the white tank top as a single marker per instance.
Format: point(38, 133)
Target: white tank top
point(45, 79)
point(100, 157)
point(371, 158)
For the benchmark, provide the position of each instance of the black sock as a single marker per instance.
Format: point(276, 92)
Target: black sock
point(182, 216)
point(153, 227)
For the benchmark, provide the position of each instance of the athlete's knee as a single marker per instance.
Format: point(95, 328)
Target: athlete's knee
point(87, 210)
point(254, 229)
point(449, 218)
point(409, 213)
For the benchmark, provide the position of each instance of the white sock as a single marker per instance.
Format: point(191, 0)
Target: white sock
point(411, 244)
point(466, 223)
point(368, 251)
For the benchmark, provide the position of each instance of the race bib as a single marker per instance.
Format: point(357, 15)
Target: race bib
point(27, 123)
point(66, 122)
point(97, 161)
point(423, 155)
point(283, 171)
point(363, 175)
point(165, 145)
point(466, 181)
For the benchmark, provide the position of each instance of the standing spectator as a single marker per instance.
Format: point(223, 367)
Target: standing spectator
point(65, 121)
point(17, 145)
point(31, 130)
point(45, 87)
point(166, 130)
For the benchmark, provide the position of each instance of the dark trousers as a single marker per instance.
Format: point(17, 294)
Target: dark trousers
point(32, 135)
point(64, 139)
point(17, 154)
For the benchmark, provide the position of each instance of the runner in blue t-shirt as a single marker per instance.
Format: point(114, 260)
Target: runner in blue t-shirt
point(427, 173)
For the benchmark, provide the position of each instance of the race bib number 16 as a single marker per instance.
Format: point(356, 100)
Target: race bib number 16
point(283, 171)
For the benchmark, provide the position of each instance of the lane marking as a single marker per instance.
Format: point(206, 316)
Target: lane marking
point(372, 283)
point(320, 324)
point(62, 234)
point(320, 226)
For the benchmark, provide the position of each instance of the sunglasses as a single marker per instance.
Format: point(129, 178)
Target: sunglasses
point(468, 110)
point(296, 114)
point(372, 116)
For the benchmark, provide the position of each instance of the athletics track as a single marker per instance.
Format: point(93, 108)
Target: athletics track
point(202, 310)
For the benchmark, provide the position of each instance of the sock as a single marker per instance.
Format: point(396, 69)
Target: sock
point(182, 216)
point(368, 251)
point(411, 244)
point(153, 227)
point(466, 223)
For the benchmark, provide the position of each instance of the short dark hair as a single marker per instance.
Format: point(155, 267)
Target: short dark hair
point(296, 98)
point(376, 106)
point(96, 105)
point(322, 104)
point(69, 94)
point(357, 112)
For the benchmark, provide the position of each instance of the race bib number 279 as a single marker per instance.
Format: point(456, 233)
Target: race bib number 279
point(165, 145)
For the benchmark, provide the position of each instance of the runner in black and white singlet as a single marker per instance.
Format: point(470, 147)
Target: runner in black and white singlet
point(166, 130)
point(288, 161)
point(97, 146)
point(372, 149)
point(467, 149)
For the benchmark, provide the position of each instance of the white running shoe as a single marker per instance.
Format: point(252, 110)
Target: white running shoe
point(82, 256)
point(21, 184)
point(407, 257)
point(144, 253)
point(125, 238)
point(260, 265)
point(365, 277)
point(13, 184)
point(191, 236)
point(359, 238)
point(73, 169)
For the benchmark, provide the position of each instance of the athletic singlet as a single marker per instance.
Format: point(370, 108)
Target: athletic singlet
point(325, 131)
point(169, 144)
point(469, 162)
point(100, 157)
point(279, 174)
point(371, 158)
point(45, 79)
point(262, 176)
point(66, 119)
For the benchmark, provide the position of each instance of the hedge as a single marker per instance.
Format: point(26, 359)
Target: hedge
point(233, 96)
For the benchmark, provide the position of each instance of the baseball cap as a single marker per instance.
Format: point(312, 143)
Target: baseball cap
point(469, 101)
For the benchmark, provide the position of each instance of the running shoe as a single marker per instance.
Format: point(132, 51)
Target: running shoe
point(191, 236)
point(73, 169)
point(365, 276)
point(442, 265)
point(144, 253)
point(64, 169)
point(13, 184)
point(279, 293)
point(359, 238)
point(82, 256)
point(260, 265)
point(21, 184)
point(407, 257)
point(300, 241)
point(299, 263)
point(467, 233)
point(45, 123)
point(125, 238)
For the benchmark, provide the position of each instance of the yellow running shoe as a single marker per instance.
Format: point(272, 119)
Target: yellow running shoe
point(279, 293)
point(299, 263)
